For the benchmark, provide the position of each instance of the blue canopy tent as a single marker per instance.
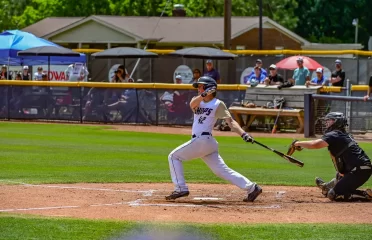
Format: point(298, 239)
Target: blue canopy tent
point(13, 41)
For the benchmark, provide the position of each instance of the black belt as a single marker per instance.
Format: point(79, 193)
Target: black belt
point(203, 134)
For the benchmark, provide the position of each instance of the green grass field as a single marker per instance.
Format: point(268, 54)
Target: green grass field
point(52, 153)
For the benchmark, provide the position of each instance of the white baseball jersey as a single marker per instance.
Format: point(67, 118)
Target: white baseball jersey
point(206, 115)
point(205, 147)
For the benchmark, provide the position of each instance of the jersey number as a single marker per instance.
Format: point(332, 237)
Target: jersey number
point(201, 120)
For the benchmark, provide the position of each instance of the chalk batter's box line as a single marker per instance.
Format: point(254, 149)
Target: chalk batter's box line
point(138, 203)
point(144, 192)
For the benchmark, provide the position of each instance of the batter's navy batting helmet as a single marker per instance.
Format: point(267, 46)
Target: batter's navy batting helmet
point(340, 122)
point(206, 81)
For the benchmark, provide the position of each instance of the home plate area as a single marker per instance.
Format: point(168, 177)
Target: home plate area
point(207, 203)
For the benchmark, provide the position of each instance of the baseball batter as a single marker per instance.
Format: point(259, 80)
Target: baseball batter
point(207, 109)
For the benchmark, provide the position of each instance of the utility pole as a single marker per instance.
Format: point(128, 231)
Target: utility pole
point(356, 23)
point(227, 25)
point(260, 40)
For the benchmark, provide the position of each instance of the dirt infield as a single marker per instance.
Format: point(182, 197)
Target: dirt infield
point(207, 203)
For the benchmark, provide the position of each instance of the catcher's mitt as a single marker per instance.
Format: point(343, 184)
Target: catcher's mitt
point(292, 148)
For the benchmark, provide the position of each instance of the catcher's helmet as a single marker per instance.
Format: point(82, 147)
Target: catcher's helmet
point(340, 122)
point(206, 81)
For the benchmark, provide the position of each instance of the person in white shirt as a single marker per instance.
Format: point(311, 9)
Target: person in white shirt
point(207, 109)
point(38, 75)
point(76, 72)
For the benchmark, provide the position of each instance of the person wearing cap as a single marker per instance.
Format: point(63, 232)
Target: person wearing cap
point(274, 78)
point(38, 74)
point(258, 64)
point(211, 72)
point(318, 80)
point(258, 76)
point(369, 89)
point(25, 74)
point(338, 76)
point(4, 73)
point(178, 79)
point(300, 74)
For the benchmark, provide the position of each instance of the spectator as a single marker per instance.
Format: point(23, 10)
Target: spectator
point(301, 74)
point(369, 89)
point(38, 74)
point(196, 75)
point(44, 77)
point(274, 78)
point(211, 72)
point(18, 76)
point(258, 76)
point(318, 80)
point(258, 64)
point(120, 75)
point(76, 72)
point(4, 73)
point(338, 76)
point(25, 73)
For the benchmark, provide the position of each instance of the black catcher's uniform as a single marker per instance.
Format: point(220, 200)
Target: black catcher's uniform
point(351, 162)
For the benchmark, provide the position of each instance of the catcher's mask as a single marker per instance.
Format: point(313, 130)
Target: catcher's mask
point(207, 83)
point(334, 121)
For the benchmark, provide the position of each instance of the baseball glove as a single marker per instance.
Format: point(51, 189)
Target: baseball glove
point(292, 148)
point(249, 105)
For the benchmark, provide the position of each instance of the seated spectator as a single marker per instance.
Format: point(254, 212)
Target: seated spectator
point(196, 75)
point(318, 80)
point(38, 74)
point(258, 76)
point(258, 64)
point(274, 78)
point(44, 77)
point(120, 75)
point(4, 75)
point(26, 74)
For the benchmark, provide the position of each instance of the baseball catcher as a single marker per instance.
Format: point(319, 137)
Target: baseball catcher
point(352, 164)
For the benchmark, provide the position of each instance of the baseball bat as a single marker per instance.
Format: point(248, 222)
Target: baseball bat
point(276, 120)
point(286, 157)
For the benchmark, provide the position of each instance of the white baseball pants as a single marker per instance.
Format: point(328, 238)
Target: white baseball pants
point(206, 148)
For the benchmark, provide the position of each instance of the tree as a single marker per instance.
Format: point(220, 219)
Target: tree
point(330, 21)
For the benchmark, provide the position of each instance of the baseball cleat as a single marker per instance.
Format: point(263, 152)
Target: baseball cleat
point(176, 195)
point(319, 182)
point(369, 194)
point(325, 187)
point(253, 195)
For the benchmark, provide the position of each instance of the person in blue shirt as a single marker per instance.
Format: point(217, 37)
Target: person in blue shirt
point(301, 74)
point(318, 80)
point(212, 72)
point(258, 76)
point(258, 64)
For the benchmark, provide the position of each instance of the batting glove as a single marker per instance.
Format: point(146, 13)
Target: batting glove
point(208, 91)
point(247, 138)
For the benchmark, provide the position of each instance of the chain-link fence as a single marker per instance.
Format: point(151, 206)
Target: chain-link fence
point(163, 69)
point(108, 105)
